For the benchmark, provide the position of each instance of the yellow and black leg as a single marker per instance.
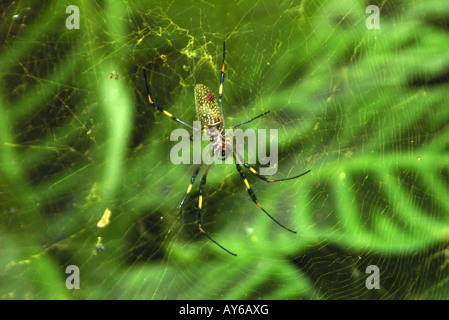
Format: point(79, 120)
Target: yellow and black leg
point(249, 120)
point(254, 198)
point(153, 104)
point(200, 215)
point(193, 177)
point(222, 78)
point(254, 171)
point(189, 188)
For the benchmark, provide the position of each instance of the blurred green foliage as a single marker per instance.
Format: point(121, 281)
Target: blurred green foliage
point(366, 110)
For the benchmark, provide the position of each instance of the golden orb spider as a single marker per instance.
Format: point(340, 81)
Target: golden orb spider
point(210, 114)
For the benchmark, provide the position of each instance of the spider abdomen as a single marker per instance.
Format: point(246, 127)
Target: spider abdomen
point(207, 108)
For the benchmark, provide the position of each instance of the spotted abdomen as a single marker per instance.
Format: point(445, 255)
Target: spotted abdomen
point(207, 108)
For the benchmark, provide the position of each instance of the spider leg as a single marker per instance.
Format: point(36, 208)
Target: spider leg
point(189, 188)
point(222, 78)
point(200, 215)
point(192, 179)
point(254, 198)
point(154, 105)
point(254, 171)
point(249, 120)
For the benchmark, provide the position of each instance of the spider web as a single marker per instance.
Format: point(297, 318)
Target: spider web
point(364, 109)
